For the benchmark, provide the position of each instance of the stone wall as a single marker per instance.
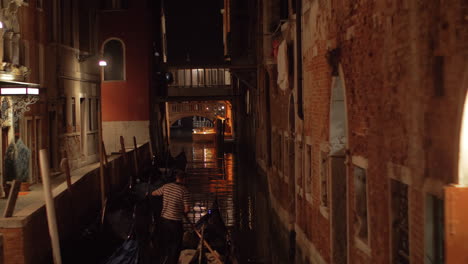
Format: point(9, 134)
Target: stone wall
point(26, 238)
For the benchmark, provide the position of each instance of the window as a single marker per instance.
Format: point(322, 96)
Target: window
point(360, 204)
point(300, 173)
point(280, 153)
point(64, 115)
point(90, 115)
point(7, 46)
point(41, 63)
point(434, 230)
point(308, 170)
point(66, 22)
point(114, 55)
point(24, 53)
point(324, 178)
point(84, 26)
point(399, 222)
point(73, 112)
point(283, 10)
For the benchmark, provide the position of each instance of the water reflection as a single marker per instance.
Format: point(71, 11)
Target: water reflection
point(209, 178)
point(241, 197)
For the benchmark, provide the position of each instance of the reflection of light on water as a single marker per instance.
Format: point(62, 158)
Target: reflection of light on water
point(208, 179)
point(250, 213)
point(199, 208)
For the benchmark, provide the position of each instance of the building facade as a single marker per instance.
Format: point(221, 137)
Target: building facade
point(23, 118)
point(72, 80)
point(126, 45)
point(364, 135)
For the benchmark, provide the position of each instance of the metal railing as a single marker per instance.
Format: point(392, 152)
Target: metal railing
point(197, 107)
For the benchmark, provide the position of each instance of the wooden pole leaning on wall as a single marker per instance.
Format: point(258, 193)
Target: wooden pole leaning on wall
point(12, 197)
point(135, 155)
point(102, 179)
point(65, 167)
point(50, 208)
point(122, 148)
point(104, 153)
point(124, 155)
point(150, 149)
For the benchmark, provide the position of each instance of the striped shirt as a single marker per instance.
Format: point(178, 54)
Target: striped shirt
point(175, 197)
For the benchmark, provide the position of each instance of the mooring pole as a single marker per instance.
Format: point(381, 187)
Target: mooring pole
point(50, 208)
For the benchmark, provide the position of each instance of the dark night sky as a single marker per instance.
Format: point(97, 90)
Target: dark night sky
point(195, 27)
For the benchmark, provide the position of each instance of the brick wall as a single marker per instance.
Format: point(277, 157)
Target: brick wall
point(399, 112)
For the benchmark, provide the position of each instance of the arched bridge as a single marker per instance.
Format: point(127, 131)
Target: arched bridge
point(208, 110)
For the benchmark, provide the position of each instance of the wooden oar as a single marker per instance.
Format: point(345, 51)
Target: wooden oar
point(213, 252)
point(202, 239)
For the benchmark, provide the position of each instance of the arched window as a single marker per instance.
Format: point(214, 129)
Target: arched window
point(114, 55)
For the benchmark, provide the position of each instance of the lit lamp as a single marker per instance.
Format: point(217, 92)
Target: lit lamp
point(102, 63)
point(19, 91)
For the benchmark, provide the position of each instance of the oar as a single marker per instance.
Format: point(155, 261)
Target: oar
point(215, 254)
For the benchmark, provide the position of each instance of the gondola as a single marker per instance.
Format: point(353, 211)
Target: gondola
point(132, 215)
point(213, 231)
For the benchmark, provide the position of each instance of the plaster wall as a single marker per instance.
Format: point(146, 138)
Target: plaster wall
point(112, 131)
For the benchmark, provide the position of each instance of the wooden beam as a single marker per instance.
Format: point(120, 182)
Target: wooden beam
point(12, 197)
point(122, 148)
point(135, 155)
point(50, 207)
point(212, 251)
point(104, 153)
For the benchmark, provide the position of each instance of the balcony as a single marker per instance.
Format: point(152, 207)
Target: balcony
point(200, 82)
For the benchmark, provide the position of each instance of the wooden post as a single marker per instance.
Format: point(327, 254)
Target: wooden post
point(104, 153)
point(50, 209)
point(150, 149)
point(202, 239)
point(213, 252)
point(65, 167)
point(101, 165)
point(12, 197)
point(122, 148)
point(135, 155)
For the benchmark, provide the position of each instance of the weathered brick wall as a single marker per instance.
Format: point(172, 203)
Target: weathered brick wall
point(398, 111)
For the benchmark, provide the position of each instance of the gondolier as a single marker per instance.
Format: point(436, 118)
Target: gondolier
point(175, 204)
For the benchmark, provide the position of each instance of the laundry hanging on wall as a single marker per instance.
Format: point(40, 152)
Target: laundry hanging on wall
point(283, 69)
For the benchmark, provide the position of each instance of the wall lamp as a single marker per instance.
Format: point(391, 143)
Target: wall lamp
point(19, 91)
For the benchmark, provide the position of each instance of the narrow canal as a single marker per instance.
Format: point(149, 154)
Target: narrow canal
point(240, 193)
point(235, 186)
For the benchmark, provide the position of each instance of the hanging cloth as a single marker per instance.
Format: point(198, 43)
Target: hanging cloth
point(283, 78)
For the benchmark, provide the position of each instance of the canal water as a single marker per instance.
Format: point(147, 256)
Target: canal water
point(240, 192)
point(236, 187)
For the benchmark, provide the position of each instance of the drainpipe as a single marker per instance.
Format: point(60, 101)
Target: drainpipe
point(300, 111)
